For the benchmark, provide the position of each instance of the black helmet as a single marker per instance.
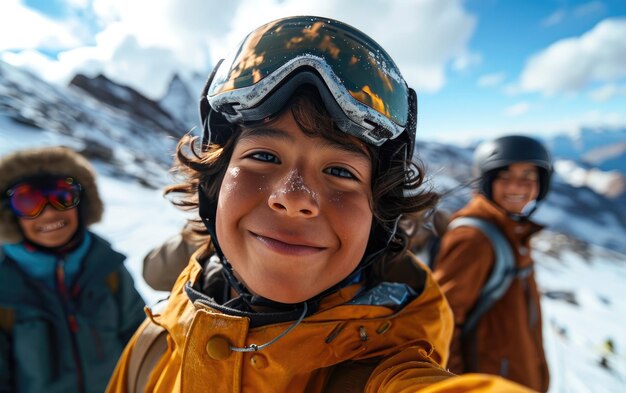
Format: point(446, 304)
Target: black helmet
point(491, 156)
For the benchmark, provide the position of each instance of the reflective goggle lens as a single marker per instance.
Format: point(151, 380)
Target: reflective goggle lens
point(358, 63)
point(28, 200)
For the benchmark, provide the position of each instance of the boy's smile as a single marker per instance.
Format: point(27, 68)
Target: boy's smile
point(294, 213)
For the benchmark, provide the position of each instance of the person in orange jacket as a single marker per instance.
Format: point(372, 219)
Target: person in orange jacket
point(514, 175)
point(301, 179)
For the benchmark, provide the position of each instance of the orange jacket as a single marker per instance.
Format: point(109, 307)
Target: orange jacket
point(508, 339)
point(408, 347)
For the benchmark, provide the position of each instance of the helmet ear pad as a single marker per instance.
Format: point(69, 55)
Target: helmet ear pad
point(544, 182)
point(486, 182)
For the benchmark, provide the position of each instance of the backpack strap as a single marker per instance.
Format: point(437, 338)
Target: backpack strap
point(7, 314)
point(7, 319)
point(112, 281)
point(149, 347)
point(502, 273)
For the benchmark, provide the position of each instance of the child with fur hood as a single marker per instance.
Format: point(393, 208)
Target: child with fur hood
point(67, 303)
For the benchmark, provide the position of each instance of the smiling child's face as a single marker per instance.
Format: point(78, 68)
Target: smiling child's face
point(514, 187)
point(52, 228)
point(294, 215)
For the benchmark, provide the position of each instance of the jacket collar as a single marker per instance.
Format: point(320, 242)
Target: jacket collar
point(482, 207)
point(41, 265)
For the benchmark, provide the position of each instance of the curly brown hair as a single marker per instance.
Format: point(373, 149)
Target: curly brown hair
point(398, 186)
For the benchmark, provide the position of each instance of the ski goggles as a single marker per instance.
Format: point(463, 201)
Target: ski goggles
point(29, 198)
point(360, 85)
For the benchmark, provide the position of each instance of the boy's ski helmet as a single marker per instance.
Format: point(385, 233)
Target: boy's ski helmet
point(490, 156)
point(358, 82)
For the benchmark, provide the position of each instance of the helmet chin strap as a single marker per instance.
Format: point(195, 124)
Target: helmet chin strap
point(526, 211)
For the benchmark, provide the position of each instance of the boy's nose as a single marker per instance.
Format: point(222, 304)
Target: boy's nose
point(293, 197)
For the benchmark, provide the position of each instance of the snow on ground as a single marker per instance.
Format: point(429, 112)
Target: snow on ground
point(575, 335)
point(136, 219)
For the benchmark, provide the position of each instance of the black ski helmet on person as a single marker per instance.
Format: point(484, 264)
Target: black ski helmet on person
point(491, 156)
point(358, 82)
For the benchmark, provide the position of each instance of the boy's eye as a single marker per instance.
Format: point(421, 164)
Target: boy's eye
point(340, 172)
point(265, 156)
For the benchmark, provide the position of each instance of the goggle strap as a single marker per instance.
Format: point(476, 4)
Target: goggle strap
point(411, 126)
point(205, 108)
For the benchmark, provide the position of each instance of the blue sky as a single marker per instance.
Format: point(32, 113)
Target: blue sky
point(482, 68)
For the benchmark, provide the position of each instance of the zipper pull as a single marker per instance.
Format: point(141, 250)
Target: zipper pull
point(60, 277)
point(73, 323)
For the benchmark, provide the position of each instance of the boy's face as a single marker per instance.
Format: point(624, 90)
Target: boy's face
point(52, 228)
point(515, 186)
point(294, 213)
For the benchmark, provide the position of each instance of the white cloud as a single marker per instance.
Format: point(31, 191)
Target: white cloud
point(566, 124)
point(607, 92)
point(570, 65)
point(596, 119)
point(23, 28)
point(121, 57)
point(512, 89)
point(78, 3)
point(581, 11)
point(553, 19)
point(490, 80)
point(36, 63)
point(590, 8)
point(601, 119)
point(159, 37)
point(422, 36)
point(466, 61)
point(517, 109)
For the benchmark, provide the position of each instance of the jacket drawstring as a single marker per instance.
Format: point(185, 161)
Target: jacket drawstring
point(255, 348)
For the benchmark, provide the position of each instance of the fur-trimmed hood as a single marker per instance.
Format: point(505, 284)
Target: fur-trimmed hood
point(46, 160)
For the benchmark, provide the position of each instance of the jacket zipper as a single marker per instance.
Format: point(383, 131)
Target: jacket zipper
point(72, 322)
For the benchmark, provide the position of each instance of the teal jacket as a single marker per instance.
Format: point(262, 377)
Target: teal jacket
point(55, 340)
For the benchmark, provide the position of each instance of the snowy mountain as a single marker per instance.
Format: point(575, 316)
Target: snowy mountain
point(182, 98)
point(581, 258)
point(132, 135)
point(597, 148)
point(128, 102)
